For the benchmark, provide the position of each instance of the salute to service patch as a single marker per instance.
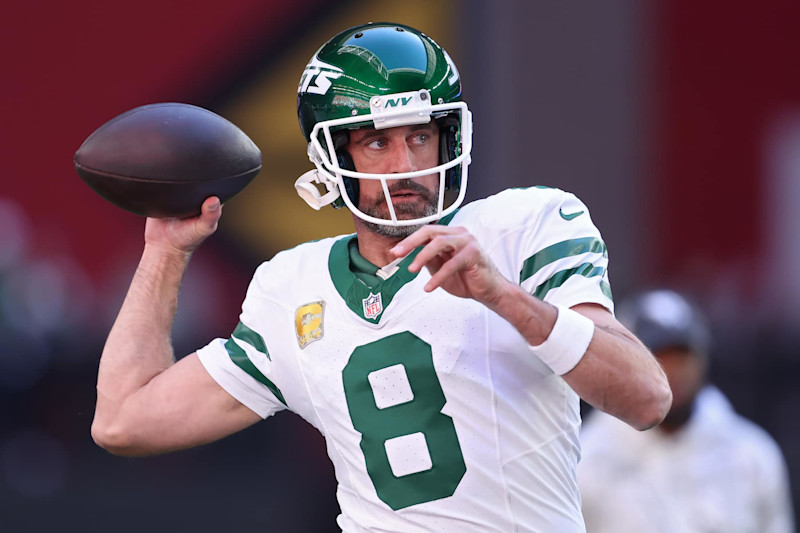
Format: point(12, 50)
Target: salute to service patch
point(308, 322)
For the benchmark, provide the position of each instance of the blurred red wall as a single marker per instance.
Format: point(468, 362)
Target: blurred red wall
point(68, 67)
point(725, 72)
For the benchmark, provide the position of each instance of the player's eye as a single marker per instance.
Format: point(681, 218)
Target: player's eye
point(376, 144)
point(422, 137)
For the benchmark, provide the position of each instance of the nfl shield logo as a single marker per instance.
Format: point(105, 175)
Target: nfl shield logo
point(373, 306)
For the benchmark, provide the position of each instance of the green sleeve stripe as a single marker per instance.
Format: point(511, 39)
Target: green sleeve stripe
point(605, 288)
point(558, 251)
point(238, 356)
point(243, 333)
point(559, 278)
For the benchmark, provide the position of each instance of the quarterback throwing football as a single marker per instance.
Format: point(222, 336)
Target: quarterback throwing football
point(441, 349)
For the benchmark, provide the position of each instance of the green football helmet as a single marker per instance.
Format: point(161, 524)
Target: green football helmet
point(380, 75)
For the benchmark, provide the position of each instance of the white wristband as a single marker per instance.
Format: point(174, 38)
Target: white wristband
point(567, 342)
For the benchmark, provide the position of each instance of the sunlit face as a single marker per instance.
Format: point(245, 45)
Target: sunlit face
point(391, 151)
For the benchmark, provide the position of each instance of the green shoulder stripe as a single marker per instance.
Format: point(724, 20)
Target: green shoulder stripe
point(558, 251)
point(239, 357)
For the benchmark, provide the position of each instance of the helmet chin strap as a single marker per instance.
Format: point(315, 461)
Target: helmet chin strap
point(307, 186)
point(387, 271)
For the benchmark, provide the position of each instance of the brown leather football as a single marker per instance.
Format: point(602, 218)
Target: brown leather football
point(163, 160)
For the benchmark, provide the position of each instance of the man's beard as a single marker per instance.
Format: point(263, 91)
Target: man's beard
point(678, 416)
point(379, 209)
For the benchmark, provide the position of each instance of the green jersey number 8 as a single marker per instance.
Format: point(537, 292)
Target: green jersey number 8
point(406, 413)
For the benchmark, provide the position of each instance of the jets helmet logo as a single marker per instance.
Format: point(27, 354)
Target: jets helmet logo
point(317, 76)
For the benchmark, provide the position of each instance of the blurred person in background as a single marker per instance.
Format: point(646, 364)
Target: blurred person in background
point(704, 468)
point(441, 351)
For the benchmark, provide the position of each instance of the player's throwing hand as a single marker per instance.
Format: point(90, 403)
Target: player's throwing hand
point(183, 235)
point(456, 262)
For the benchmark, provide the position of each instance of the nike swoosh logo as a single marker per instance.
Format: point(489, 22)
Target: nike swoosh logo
point(569, 216)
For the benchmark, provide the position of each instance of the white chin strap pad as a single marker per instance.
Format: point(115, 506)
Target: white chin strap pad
point(307, 189)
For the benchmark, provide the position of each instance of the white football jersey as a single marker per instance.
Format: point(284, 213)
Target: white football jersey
point(436, 414)
point(720, 472)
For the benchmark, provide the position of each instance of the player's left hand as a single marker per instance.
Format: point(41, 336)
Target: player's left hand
point(456, 262)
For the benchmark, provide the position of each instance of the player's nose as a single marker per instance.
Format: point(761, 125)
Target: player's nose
point(401, 159)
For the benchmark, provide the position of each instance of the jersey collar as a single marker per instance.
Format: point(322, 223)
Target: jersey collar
point(355, 280)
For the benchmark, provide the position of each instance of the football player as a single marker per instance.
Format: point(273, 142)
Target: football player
point(441, 349)
point(704, 468)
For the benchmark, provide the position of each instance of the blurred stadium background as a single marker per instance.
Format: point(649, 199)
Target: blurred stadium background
point(677, 121)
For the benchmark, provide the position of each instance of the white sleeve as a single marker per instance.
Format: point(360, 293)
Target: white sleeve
point(775, 503)
point(231, 374)
point(242, 364)
point(563, 258)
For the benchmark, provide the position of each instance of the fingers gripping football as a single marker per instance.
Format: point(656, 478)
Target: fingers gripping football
point(455, 261)
point(184, 235)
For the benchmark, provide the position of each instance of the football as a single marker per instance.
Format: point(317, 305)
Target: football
point(162, 160)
